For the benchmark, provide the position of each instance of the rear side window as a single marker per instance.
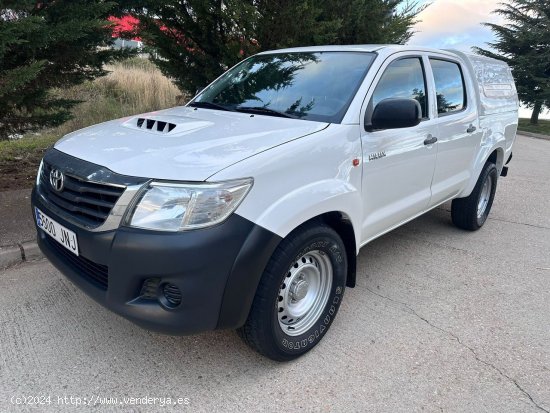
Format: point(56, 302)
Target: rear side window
point(403, 78)
point(449, 86)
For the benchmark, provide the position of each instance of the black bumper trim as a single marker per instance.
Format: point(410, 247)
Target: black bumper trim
point(216, 269)
point(245, 275)
point(509, 158)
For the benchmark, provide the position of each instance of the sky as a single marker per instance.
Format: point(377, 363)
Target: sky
point(457, 24)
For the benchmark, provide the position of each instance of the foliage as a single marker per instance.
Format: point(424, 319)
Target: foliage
point(45, 45)
point(194, 41)
point(373, 21)
point(288, 23)
point(524, 43)
point(132, 86)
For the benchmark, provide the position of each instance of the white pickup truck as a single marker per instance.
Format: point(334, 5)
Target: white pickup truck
point(247, 207)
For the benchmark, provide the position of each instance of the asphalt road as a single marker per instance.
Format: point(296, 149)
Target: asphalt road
point(441, 320)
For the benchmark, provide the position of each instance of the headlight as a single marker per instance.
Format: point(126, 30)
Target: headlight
point(166, 206)
point(39, 173)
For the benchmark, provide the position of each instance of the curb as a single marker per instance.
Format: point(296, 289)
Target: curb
point(14, 254)
point(534, 135)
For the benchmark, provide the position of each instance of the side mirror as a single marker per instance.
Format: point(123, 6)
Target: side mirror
point(396, 113)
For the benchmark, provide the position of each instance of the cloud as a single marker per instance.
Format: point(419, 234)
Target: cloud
point(456, 24)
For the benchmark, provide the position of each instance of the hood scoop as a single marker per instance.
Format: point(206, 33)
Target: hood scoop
point(155, 125)
point(165, 125)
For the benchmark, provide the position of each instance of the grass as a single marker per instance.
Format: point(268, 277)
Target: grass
point(133, 86)
point(543, 126)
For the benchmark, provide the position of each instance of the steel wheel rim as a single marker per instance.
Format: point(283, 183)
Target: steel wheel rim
point(304, 292)
point(484, 196)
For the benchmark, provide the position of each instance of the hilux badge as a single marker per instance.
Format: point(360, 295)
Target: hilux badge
point(377, 155)
point(57, 180)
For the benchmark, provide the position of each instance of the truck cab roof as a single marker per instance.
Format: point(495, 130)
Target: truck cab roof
point(381, 49)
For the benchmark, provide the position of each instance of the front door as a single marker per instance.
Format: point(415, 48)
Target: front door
point(398, 164)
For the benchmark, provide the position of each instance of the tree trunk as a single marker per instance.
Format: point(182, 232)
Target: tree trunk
point(535, 114)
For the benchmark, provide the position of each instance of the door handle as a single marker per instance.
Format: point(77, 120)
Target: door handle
point(471, 129)
point(430, 140)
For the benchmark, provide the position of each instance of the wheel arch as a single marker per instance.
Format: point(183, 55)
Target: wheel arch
point(235, 307)
point(336, 203)
point(493, 153)
point(497, 157)
point(341, 223)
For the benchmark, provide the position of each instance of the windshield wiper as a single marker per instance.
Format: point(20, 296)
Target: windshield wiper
point(209, 105)
point(263, 111)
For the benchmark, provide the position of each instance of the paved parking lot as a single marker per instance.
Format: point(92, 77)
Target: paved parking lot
point(441, 320)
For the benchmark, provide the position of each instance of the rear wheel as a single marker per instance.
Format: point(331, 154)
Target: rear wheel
point(299, 294)
point(470, 213)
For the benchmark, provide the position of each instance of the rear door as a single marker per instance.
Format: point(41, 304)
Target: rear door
point(397, 164)
point(458, 130)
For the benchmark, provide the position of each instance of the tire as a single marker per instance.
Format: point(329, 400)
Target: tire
point(470, 213)
point(299, 293)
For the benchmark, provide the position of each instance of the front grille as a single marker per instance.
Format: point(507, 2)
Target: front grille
point(87, 203)
point(97, 274)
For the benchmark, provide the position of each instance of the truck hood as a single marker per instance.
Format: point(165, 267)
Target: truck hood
point(182, 143)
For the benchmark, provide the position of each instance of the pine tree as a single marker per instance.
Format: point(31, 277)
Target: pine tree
point(373, 21)
point(194, 41)
point(45, 45)
point(291, 23)
point(524, 43)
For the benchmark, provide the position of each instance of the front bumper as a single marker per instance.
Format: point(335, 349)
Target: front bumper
point(216, 269)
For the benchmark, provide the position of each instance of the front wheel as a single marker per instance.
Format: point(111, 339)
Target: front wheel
point(470, 213)
point(299, 293)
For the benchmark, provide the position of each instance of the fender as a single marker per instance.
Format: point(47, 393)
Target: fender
point(310, 201)
point(275, 223)
point(490, 142)
point(303, 179)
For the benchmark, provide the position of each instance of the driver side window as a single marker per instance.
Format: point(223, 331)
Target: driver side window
point(403, 78)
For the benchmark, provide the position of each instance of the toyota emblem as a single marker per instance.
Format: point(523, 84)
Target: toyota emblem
point(57, 180)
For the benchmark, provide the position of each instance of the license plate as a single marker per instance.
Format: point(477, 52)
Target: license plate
point(58, 232)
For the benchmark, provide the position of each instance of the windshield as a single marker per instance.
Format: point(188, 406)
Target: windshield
point(314, 86)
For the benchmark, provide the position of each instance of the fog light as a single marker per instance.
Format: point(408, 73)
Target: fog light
point(170, 295)
point(149, 289)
